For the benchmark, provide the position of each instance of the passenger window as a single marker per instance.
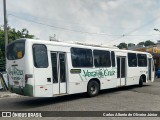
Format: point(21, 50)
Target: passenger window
point(40, 56)
point(81, 57)
point(142, 60)
point(132, 60)
point(102, 58)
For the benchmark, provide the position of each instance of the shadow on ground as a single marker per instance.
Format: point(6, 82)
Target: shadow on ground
point(25, 103)
point(29, 102)
point(118, 89)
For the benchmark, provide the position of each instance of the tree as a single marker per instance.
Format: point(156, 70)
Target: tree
point(148, 43)
point(12, 35)
point(140, 43)
point(131, 44)
point(122, 45)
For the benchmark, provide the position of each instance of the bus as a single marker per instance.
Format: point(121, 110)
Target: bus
point(41, 68)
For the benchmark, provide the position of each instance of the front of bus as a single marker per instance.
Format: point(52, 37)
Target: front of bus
point(16, 64)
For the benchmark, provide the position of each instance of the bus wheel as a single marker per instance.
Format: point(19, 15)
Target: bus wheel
point(141, 81)
point(93, 88)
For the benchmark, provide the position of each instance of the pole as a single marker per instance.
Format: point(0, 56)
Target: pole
point(5, 24)
point(5, 27)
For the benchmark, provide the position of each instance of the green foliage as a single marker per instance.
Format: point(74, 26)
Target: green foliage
point(12, 35)
point(131, 44)
point(140, 43)
point(149, 43)
point(122, 45)
point(146, 43)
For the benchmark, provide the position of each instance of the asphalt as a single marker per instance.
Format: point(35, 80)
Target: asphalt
point(131, 98)
point(5, 94)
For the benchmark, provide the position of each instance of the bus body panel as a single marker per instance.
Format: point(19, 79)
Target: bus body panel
point(16, 73)
point(41, 80)
point(18, 68)
point(29, 69)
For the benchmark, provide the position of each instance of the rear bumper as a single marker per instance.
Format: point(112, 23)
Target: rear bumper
point(26, 91)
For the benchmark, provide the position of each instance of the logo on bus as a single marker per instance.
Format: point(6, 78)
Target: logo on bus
point(100, 73)
point(15, 74)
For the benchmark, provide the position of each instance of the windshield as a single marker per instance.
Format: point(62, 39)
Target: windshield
point(16, 50)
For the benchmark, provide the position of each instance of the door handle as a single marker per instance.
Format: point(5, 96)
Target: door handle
point(48, 79)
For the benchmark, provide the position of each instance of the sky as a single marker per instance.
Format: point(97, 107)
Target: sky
point(107, 22)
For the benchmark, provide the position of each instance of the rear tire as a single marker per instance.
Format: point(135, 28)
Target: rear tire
point(141, 81)
point(93, 88)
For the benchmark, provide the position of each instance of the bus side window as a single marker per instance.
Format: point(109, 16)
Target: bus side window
point(102, 58)
point(40, 56)
point(81, 57)
point(132, 60)
point(142, 60)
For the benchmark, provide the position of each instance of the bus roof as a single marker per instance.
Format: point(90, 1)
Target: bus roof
point(87, 46)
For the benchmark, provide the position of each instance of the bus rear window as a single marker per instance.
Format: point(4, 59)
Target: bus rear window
point(16, 50)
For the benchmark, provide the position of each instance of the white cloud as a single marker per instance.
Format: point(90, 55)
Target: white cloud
point(114, 17)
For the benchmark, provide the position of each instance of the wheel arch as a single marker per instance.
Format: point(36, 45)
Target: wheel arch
point(144, 77)
point(97, 80)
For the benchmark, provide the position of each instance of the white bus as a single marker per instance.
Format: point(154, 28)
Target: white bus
point(42, 68)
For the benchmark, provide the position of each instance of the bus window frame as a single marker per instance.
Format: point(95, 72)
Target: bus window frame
point(110, 65)
point(138, 60)
point(34, 57)
point(18, 41)
point(129, 60)
point(82, 66)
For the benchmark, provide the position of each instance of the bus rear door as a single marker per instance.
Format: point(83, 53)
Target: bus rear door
point(121, 70)
point(42, 71)
point(58, 60)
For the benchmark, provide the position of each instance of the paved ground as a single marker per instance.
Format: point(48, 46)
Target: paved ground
point(4, 94)
point(133, 98)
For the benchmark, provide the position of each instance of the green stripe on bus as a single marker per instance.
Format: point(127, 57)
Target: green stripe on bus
point(27, 90)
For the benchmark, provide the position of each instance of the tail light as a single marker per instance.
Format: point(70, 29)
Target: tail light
point(28, 76)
